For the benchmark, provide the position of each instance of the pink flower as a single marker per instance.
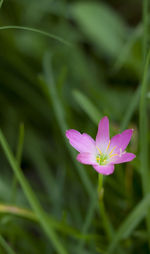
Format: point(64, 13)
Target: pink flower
point(103, 153)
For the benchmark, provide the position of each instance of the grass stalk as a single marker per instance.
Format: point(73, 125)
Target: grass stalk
point(103, 212)
point(143, 119)
point(5, 246)
point(35, 30)
point(60, 226)
point(1, 3)
point(18, 158)
point(130, 223)
point(47, 227)
point(58, 108)
point(143, 124)
point(145, 29)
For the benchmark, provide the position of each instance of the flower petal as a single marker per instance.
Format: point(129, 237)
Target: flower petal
point(120, 141)
point(81, 142)
point(123, 158)
point(102, 138)
point(86, 158)
point(104, 170)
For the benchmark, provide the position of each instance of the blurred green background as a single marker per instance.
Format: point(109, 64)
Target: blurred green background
point(50, 85)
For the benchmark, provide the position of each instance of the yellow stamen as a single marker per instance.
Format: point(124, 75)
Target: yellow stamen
point(112, 150)
point(99, 150)
point(98, 159)
point(114, 155)
point(108, 146)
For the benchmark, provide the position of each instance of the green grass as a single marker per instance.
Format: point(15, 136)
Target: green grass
point(66, 64)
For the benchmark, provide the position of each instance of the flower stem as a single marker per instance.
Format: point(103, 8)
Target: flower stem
point(105, 219)
point(100, 187)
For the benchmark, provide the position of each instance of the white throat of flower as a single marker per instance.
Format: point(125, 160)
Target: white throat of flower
point(105, 158)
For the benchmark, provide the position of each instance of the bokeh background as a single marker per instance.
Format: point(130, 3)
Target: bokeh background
point(91, 68)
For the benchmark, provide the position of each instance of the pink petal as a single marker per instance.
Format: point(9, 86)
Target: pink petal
point(86, 158)
point(102, 138)
point(123, 158)
point(81, 142)
point(120, 141)
point(104, 170)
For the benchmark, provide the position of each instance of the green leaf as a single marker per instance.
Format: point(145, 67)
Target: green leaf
point(101, 25)
point(130, 223)
point(87, 106)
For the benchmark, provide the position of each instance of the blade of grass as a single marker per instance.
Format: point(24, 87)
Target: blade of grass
point(143, 124)
point(5, 246)
point(136, 97)
point(143, 118)
point(18, 158)
point(63, 126)
point(88, 220)
point(47, 227)
point(133, 104)
point(145, 28)
point(1, 3)
point(130, 223)
point(20, 144)
point(37, 157)
point(28, 214)
point(126, 49)
point(15, 182)
point(35, 30)
point(58, 108)
point(87, 106)
point(87, 223)
point(15, 210)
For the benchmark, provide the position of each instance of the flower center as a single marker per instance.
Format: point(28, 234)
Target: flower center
point(101, 159)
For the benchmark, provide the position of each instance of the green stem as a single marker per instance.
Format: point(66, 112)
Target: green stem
point(145, 29)
point(60, 226)
point(58, 108)
point(106, 225)
point(103, 213)
point(100, 187)
point(144, 157)
point(18, 158)
point(20, 144)
point(49, 87)
point(1, 3)
point(144, 128)
point(35, 30)
point(47, 227)
point(5, 246)
point(143, 122)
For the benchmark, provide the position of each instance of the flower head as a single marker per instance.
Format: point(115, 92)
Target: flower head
point(101, 153)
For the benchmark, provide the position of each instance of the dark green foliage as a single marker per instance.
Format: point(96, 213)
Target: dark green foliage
point(66, 64)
